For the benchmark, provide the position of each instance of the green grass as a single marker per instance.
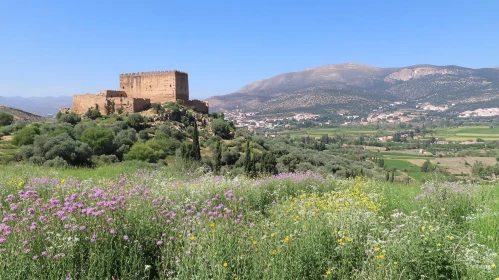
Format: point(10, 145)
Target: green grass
point(293, 226)
point(7, 151)
point(406, 167)
point(468, 133)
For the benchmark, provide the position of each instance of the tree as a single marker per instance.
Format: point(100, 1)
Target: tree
point(217, 155)
point(100, 139)
point(6, 119)
point(110, 107)
point(427, 166)
point(221, 128)
point(196, 148)
point(70, 118)
point(72, 151)
point(26, 135)
point(141, 151)
point(93, 114)
point(136, 121)
point(269, 163)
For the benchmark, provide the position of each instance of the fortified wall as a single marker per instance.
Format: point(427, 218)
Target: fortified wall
point(160, 86)
point(138, 90)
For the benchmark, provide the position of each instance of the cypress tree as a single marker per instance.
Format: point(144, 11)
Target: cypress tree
point(217, 156)
point(196, 148)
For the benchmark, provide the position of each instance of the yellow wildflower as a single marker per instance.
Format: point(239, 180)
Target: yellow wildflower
point(272, 235)
point(438, 244)
point(286, 239)
point(212, 224)
point(254, 242)
point(377, 249)
point(225, 264)
point(192, 238)
point(451, 237)
point(395, 263)
point(273, 252)
point(328, 272)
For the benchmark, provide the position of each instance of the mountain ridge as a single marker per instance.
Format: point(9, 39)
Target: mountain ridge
point(344, 85)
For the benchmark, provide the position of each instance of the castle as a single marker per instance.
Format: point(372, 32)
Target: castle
point(137, 91)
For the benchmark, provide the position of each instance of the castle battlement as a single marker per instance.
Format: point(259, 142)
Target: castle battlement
point(153, 73)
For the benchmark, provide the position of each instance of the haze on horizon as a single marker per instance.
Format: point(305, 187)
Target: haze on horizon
point(55, 48)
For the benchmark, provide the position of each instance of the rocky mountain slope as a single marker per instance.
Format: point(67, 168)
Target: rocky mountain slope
point(356, 87)
point(22, 115)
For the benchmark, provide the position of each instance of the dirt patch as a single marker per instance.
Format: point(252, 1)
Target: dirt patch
point(458, 165)
point(6, 138)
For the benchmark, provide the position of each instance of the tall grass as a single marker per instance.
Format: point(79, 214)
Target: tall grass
point(161, 224)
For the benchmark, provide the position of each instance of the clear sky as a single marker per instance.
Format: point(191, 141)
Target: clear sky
point(52, 48)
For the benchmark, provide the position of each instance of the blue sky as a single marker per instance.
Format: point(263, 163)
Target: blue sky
point(52, 48)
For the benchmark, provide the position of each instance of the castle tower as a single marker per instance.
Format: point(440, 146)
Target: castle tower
point(159, 86)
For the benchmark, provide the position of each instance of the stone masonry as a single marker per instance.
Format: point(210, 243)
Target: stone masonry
point(137, 91)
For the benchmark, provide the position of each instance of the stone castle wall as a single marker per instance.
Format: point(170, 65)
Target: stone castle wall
point(161, 86)
point(199, 106)
point(112, 93)
point(82, 102)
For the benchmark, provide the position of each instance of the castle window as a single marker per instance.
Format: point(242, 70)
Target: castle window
point(123, 87)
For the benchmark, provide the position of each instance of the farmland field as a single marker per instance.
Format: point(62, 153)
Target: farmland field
point(468, 133)
point(319, 131)
point(165, 224)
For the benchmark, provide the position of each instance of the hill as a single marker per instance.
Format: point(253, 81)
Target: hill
point(22, 115)
point(358, 87)
point(47, 106)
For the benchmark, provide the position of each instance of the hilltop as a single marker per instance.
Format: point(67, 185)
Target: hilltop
point(22, 115)
point(358, 87)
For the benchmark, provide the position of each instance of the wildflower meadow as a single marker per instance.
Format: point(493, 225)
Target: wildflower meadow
point(161, 224)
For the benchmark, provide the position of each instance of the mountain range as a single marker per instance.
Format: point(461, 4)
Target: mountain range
point(43, 106)
point(357, 87)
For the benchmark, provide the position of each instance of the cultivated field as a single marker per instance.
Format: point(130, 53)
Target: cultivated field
point(354, 131)
point(470, 133)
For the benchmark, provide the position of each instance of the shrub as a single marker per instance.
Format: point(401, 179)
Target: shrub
point(93, 114)
point(221, 128)
point(56, 162)
point(144, 135)
point(79, 128)
point(54, 129)
point(72, 151)
point(70, 118)
point(136, 121)
point(25, 153)
point(6, 119)
point(141, 151)
point(26, 135)
point(100, 139)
